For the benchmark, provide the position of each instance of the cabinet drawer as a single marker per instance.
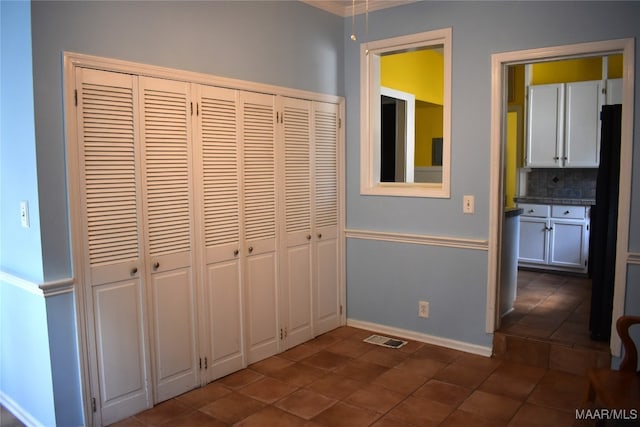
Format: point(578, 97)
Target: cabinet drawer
point(573, 212)
point(529, 209)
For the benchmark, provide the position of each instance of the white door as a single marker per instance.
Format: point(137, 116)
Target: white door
point(545, 125)
point(166, 136)
point(296, 277)
point(582, 128)
point(533, 240)
point(568, 244)
point(259, 202)
point(112, 241)
point(219, 206)
point(326, 265)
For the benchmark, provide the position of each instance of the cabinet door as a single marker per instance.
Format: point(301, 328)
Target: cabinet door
point(545, 125)
point(533, 240)
point(220, 209)
point(108, 153)
point(296, 278)
point(614, 92)
point(326, 198)
point(166, 136)
point(259, 198)
point(568, 242)
point(582, 128)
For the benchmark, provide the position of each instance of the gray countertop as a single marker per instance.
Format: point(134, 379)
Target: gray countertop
point(511, 212)
point(555, 201)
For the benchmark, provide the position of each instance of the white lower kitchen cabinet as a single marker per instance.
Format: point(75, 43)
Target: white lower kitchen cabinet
point(554, 237)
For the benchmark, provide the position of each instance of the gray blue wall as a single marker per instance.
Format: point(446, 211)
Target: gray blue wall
point(385, 280)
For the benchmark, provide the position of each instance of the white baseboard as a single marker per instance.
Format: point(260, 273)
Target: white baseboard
point(25, 417)
point(418, 336)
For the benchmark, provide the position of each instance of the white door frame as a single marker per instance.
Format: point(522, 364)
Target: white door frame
point(499, 63)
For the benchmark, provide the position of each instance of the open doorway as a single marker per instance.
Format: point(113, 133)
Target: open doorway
point(499, 187)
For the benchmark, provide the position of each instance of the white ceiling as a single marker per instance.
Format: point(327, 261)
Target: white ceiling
point(345, 7)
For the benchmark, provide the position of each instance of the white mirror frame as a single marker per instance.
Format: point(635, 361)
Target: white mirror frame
point(370, 116)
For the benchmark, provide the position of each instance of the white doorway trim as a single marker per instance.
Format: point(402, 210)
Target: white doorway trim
point(499, 62)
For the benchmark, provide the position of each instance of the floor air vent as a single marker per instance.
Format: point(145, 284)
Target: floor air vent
point(385, 341)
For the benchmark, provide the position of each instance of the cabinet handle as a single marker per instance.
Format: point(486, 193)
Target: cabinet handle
point(134, 270)
point(156, 265)
point(556, 158)
point(319, 235)
point(236, 252)
point(308, 236)
point(567, 212)
point(250, 249)
point(531, 211)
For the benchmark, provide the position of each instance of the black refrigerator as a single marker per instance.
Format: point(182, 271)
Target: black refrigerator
point(604, 225)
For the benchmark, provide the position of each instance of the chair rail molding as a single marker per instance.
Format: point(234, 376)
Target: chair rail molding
point(44, 289)
point(418, 239)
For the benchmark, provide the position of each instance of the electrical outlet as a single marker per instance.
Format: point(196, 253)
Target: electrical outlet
point(468, 204)
point(423, 309)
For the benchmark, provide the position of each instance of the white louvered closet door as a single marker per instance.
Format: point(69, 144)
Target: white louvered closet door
point(296, 276)
point(259, 200)
point(326, 215)
point(166, 134)
point(110, 199)
point(219, 158)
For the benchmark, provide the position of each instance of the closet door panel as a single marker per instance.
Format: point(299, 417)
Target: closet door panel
point(108, 153)
point(259, 207)
point(221, 209)
point(225, 320)
point(326, 269)
point(296, 279)
point(173, 324)
point(166, 136)
point(120, 349)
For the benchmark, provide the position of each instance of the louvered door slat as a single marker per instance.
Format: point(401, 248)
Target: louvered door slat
point(166, 153)
point(326, 167)
point(219, 136)
point(259, 169)
point(106, 112)
point(297, 167)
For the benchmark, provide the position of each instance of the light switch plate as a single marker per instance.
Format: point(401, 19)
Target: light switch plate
point(24, 214)
point(468, 204)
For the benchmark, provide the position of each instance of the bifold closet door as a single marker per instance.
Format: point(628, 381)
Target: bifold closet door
point(219, 163)
point(108, 172)
point(296, 273)
point(259, 209)
point(326, 214)
point(166, 139)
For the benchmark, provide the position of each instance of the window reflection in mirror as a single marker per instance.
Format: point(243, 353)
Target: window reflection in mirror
point(406, 115)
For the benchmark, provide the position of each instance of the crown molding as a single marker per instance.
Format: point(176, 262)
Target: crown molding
point(344, 8)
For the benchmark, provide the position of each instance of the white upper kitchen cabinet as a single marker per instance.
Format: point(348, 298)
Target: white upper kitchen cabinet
point(563, 127)
point(582, 124)
point(545, 131)
point(614, 92)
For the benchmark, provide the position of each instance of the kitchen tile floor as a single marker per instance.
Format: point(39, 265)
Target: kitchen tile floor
point(552, 307)
point(549, 326)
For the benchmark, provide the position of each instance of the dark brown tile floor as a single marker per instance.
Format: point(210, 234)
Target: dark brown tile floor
point(549, 326)
point(337, 380)
point(552, 306)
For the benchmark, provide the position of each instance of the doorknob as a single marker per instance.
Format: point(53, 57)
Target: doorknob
point(250, 249)
point(156, 265)
point(235, 252)
point(134, 270)
point(319, 235)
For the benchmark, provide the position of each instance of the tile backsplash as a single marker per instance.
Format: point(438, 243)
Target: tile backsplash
point(568, 183)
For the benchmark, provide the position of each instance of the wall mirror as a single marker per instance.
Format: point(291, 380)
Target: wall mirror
point(406, 115)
